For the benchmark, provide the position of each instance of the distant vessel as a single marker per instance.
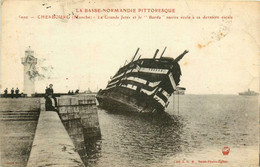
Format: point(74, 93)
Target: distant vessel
point(143, 85)
point(248, 93)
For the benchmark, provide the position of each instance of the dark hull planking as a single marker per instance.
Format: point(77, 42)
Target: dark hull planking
point(144, 85)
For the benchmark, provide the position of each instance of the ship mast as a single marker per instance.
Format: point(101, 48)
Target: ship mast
point(135, 55)
point(181, 56)
point(155, 54)
point(163, 52)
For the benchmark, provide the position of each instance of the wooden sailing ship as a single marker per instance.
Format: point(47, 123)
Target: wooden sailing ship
point(142, 85)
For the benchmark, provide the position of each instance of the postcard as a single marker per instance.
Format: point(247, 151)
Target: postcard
point(154, 83)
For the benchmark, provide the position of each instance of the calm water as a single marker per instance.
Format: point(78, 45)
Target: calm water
point(205, 124)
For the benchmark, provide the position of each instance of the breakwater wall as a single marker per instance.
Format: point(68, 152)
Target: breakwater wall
point(52, 145)
point(81, 109)
point(78, 115)
point(80, 118)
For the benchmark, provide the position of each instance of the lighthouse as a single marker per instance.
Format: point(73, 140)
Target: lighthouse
point(29, 62)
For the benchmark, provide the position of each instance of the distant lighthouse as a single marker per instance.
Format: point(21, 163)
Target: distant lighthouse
point(29, 62)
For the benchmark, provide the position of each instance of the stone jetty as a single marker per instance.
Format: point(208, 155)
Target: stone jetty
point(56, 138)
point(52, 145)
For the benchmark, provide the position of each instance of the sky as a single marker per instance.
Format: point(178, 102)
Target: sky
point(223, 54)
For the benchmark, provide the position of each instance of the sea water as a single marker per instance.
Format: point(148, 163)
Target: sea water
point(199, 128)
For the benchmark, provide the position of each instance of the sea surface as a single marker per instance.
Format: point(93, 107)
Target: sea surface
point(195, 132)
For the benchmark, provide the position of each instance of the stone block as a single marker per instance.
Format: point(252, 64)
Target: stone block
point(64, 116)
point(76, 109)
point(74, 101)
point(81, 97)
point(81, 102)
point(69, 109)
point(81, 108)
point(64, 101)
point(77, 116)
point(71, 116)
point(63, 109)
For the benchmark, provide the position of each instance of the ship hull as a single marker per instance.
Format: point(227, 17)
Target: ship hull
point(124, 100)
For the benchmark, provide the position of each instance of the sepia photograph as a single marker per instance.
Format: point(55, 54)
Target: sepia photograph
point(126, 83)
